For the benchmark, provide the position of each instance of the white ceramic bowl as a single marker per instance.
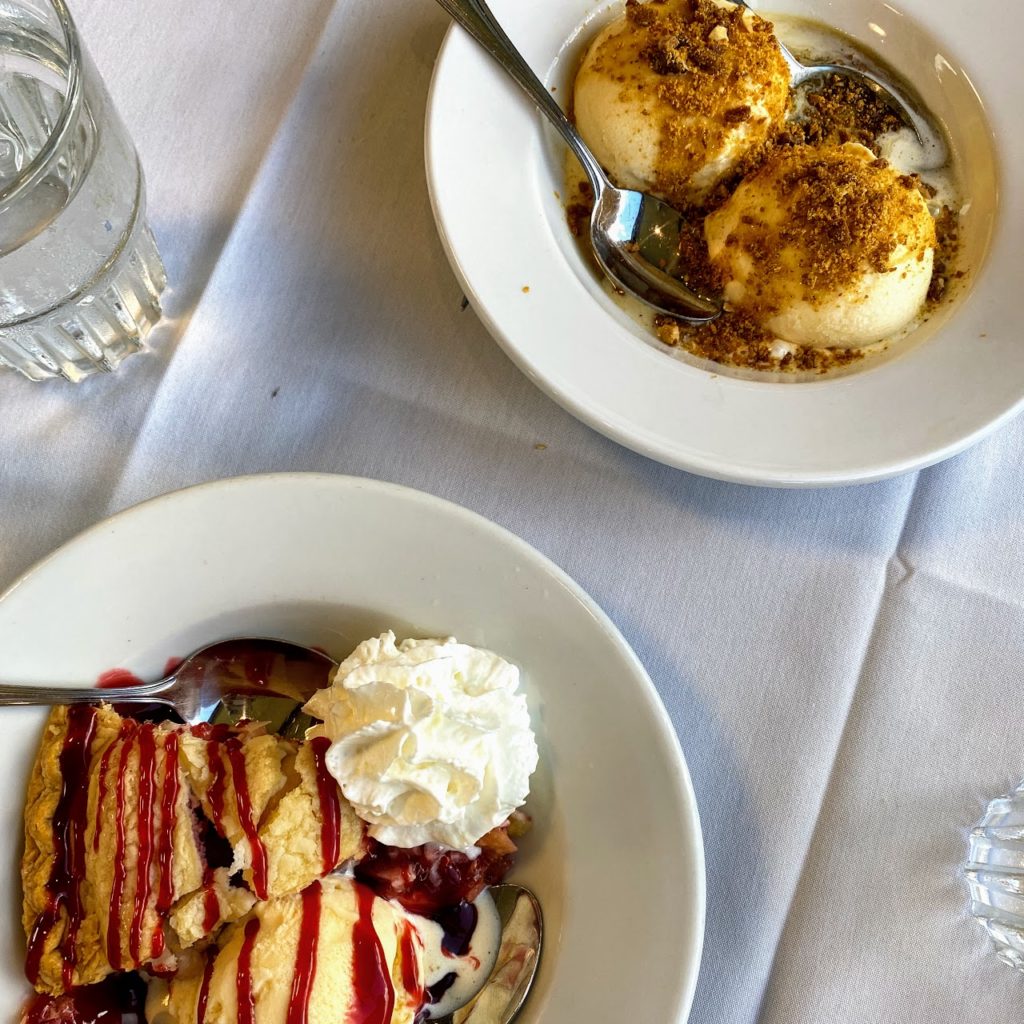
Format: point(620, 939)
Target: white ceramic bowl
point(615, 855)
point(495, 173)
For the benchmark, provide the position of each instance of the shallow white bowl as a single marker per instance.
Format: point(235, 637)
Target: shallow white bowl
point(494, 172)
point(615, 855)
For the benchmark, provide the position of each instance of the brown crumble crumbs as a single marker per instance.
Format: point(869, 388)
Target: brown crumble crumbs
point(947, 234)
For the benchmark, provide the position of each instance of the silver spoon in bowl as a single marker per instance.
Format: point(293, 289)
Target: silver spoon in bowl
point(221, 679)
point(800, 73)
point(502, 995)
point(635, 236)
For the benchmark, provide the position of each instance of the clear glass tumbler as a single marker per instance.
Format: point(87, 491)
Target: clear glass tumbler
point(80, 275)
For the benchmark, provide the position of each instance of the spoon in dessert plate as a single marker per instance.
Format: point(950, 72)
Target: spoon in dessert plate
point(218, 682)
point(502, 995)
point(635, 237)
point(267, 680)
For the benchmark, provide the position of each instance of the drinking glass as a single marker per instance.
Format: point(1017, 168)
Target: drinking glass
point(80, 275)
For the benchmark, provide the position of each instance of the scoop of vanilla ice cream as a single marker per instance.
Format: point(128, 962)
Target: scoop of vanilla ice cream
point(430, 740)
point(673, 95)
point(825, 246)
point(334, 915)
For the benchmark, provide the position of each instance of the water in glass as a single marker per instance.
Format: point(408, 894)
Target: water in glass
point(80, 275)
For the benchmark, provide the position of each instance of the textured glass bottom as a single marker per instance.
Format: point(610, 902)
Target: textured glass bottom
point(995, 875)
point(94, 332)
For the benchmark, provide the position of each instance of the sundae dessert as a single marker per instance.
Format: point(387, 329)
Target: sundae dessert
point(826, 225)
point(214, 874)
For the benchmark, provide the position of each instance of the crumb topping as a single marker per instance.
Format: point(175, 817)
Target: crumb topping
point(701, 48)
point(844, 214)
point(738, 340)
point(841, 109)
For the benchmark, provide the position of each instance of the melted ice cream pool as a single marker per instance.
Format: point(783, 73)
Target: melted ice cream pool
point(456, 963)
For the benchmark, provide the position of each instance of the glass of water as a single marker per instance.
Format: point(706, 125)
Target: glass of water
point(80, 275)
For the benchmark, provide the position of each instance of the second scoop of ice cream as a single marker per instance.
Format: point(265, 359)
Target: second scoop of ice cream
point(825, 246)
point(334, 952)
point(431, 740)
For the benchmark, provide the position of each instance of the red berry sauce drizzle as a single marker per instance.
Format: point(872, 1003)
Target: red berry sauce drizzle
point(305, 956)
point(70, 819)
point(221, 745)
point(373, 993)
point(411, 980)
point(211, 904)
point(330, 805)
point(246, 1006)
point(204, 991)
point(117, 893)
point(144, 830)
point(168, 821)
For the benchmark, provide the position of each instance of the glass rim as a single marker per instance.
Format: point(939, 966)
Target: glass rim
point(72, 98)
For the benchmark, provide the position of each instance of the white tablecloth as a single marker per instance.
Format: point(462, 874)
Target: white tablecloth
point(842, 666)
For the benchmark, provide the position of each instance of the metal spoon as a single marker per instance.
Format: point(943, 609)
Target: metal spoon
point(799, 73)
point(220, 681)
point(522, 932)
point(635, 237)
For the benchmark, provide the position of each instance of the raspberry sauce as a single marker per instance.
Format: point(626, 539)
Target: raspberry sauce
point(373, 994)
point(330, 805)
point(305, 956)
point(120, 864)
point(246, 1006)
point(204, 988)
point(144, 828)
point(219, 748)
point(168, 820)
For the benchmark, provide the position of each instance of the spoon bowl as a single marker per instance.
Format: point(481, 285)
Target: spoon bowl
point(502, 995)
point(907, 111)
point(219, 682)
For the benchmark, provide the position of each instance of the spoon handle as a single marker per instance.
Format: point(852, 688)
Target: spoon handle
point(20, 695)
point(479, 21)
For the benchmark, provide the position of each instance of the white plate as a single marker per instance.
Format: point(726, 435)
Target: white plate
point(494, 172)
point(616, 854)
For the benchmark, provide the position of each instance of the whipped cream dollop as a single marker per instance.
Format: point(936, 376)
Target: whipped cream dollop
point(430, 739)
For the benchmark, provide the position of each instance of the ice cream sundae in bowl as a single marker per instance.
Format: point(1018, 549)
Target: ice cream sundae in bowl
point(859, 254)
